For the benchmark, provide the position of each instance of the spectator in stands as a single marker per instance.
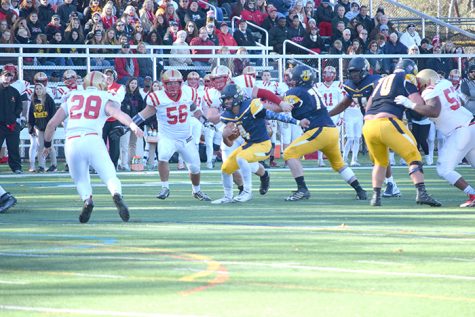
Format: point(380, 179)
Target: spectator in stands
point(45, 12)
point(191, 31)
point(74, 38)
point(354, 11)
point(212, 35)
point(364, 39)
point(345, 4)
point(249, 13)
point(355, 48)
point(383, 30)
point(170, 36)
point(92, 8)
point(459, 50)
point(278, 34)
point(309, 10)
point(22, 36)
point(65, 9)
point(439, 64)
point(352, 26)
point(26, 8)
point(313, 41)
point(98, 39)
point(95, 18)
point(425, 48)
point(324, 18)
point(180, 62)
point(281, 5)
point(60, 60)
point(410, 37)
point(147, 16)
point(7, 38)
point(195, 14)
point(392, 46)
point(375, 63)
point(243, 35)
point(74, 24)
point(201, 40)
point(95, 27)
point(6, 12)
point(336, 49)
point(240, 62)
point(467, 89)
point(225, 38)
point(228, 62)
point(34, 25)
point(338, 32)
point(170, 14)
point(41, 39)
point(126, 67)
point(160, 26)
point(261, 6)
point(271, 20)
point(183, 6)
point(119, 28)
point(364, 19)
point(53, 27)
point(339, 17)
point(21, 24)
point(346, 40)
point(145, 64)
point(296, 33)
point(108, 15)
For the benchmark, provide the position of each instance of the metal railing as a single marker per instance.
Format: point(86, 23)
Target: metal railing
point(253, 25)
point(284, 51)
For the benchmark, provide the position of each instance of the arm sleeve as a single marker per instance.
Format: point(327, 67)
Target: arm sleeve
point(268, 95)
point(271, 115)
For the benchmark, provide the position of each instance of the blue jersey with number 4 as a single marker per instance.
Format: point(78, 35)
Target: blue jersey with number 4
point(308, 105)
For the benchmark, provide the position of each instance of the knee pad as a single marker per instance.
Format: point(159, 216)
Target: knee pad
point(194, 168)
point(450, 176)
point(419, 168)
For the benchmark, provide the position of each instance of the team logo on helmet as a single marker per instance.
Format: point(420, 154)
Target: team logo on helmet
point(303, 76)
point(406, 65)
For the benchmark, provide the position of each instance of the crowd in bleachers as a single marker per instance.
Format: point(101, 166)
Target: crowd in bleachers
point(324, 26)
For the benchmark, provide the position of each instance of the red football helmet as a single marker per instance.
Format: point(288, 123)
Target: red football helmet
point(193, 80)
point(172, 80)
point(40, 78)
point(220, 75)
point(455, 77)
point(70, 79)
point(329, 74)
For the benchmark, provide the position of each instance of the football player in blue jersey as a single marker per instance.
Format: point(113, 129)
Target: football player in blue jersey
point(247, 118)
point(320, 135)
point(384, 129)
point(359, 86)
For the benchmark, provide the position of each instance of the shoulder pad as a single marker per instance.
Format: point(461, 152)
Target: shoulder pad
point(256, 106)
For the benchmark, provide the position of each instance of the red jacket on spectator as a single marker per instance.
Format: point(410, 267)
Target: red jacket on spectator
point(108, 21)
point(120, 67)
point(225, 39)
point(197, 41)
point(256, 16)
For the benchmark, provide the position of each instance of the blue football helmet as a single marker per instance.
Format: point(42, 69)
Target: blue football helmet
point(406, 65)
point(358, 69)
point(231, 91)
point(303, 76)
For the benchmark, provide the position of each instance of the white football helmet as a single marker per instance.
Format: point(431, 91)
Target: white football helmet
point(249, 70)
point(329, 74)
point(41, 78)
point(172, 76)
point(193, 80)
point(70, 78)
point(95, 79)
point(221, 75)
point(455, 77)
point(426, 78)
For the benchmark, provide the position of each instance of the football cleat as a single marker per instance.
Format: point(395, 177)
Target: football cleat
point(361, 195)
point(265, 183)
point(121, 207)
point(6, 202)
point(299, 195)
point(86, 210)
point(470, 202)
point(391, 191)
point(375, 200)
point(243, 197)
point(201, 196)
point(52, 168)
point(423, 198)
point(209, 165)
point(355, 164)
point(224, 200)
point(164, 193)
point(40, 169)
point(273, 164)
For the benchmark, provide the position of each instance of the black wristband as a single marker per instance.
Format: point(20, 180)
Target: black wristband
point(47, 144)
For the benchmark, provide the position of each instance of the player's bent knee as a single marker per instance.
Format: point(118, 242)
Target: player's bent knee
point(194, 168)
point(289, 153)
point(450, 176)
point(415, 166)
point(228, 168)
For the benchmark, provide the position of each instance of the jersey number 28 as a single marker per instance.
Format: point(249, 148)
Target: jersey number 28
point(88, 107)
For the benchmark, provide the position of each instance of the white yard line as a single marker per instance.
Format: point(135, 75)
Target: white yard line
point(14, 282)
point(87, 312)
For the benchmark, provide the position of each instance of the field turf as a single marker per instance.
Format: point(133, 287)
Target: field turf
point(328, 256)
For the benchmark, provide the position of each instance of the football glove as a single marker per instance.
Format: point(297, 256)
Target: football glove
point(118, 131)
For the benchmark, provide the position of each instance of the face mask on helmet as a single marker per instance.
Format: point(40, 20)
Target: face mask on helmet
point(329, 74)
point(454, 77)
point(172, 80)
point(40, 78)
point(358, 69)
point(193, 80)
point(231, 96)
point(70, 79)
point(220, 76)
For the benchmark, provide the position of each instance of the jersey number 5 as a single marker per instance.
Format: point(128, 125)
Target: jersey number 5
point(449, 95)
point(177, 114)
point(89, 107)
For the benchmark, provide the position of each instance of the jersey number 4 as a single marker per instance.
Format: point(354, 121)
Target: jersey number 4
point(89, 107)
point(177, 114)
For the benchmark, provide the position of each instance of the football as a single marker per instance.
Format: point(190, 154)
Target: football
point(233, 131)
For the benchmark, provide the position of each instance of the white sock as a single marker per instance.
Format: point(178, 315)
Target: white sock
point(196, 188)
point(468, 190)
point(245, 168)
point(389, 179)
point(165, 184)
point(227, 185)
point(2, 191)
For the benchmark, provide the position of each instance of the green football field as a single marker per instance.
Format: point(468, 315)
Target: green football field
point(328, 256)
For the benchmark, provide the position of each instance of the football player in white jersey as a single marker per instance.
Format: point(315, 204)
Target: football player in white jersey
point(246, 81)
point(454, 121)
point(87, 112)
point(331, 92)
point(172, 106)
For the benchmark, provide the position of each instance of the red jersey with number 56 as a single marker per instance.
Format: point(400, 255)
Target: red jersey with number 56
point(86, 111)
point(173, 114)
point(452, 114)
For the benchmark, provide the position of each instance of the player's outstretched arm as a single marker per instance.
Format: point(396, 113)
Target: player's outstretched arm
point(340, 107)
point(113, 109)
point(58, 117)
point(278, 105)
